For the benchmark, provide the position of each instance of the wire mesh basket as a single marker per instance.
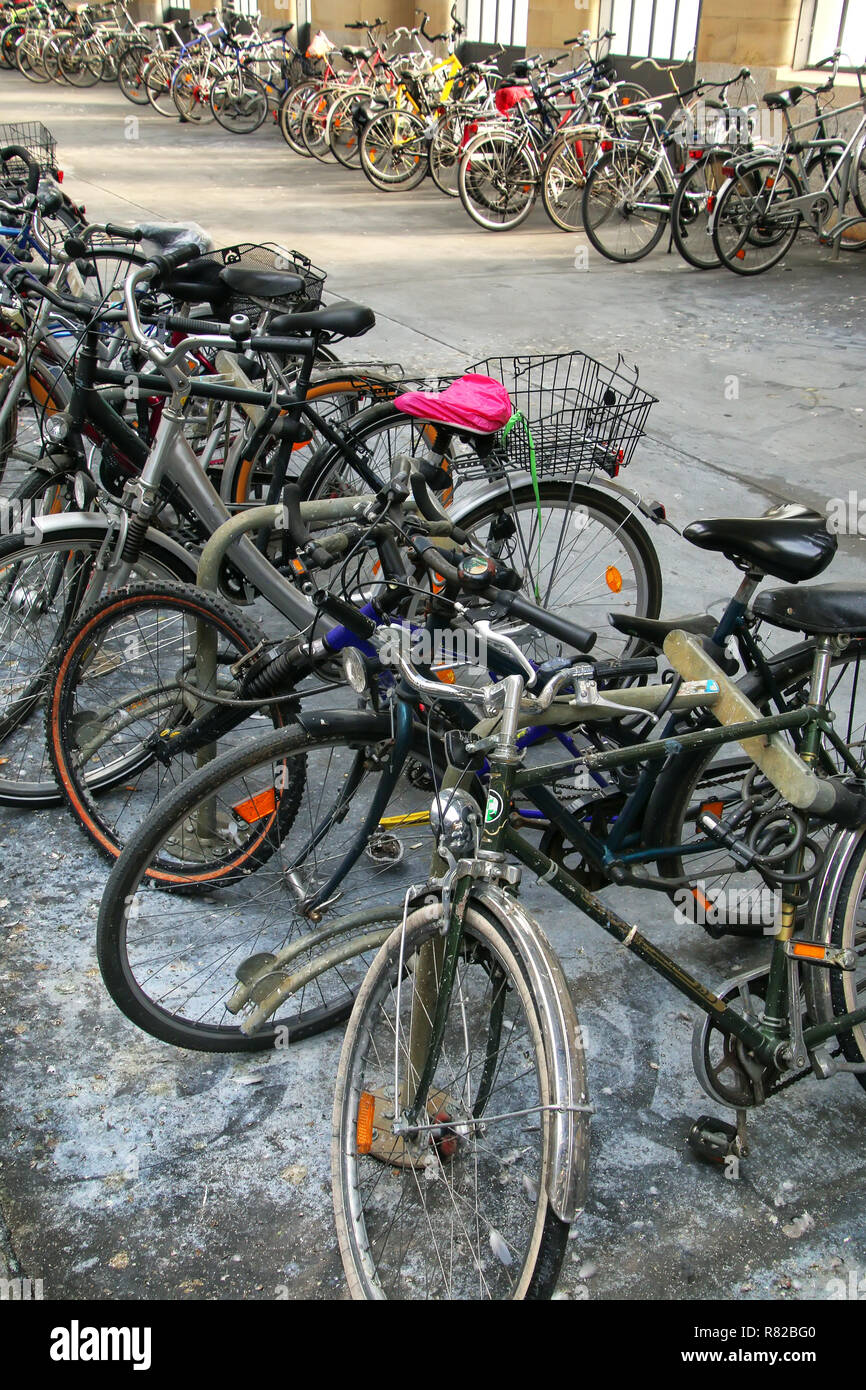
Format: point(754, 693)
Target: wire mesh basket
point(269, 256)
point(581, 415)
point(36, 139)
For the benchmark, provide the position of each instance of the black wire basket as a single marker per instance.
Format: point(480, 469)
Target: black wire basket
point(36, 139)
point(580, 414)
point(269, 256)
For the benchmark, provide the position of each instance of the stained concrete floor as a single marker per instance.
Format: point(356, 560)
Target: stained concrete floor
point(130, 1170)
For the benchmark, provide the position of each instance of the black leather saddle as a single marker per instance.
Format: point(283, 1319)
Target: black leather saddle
point(789, 96)
point(790, 542)
point(821, 609)
point(339, 320)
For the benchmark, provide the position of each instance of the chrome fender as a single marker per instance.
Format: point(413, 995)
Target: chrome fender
point(90, 525)
point(568, 1134)
point(825, 900)
point(650, 508)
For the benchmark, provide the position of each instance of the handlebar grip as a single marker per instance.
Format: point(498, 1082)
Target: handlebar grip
point(343, 612)
point(128, 233)
point(19, 152)
point(172, 260)
point(436, 562)
point(582, 639)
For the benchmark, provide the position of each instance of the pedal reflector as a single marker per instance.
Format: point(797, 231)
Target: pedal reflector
point(808, 950)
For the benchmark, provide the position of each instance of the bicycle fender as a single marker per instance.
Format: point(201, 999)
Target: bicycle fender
point(650, 508)
point(822, 909)
point(567, 1135)
point(88, 526)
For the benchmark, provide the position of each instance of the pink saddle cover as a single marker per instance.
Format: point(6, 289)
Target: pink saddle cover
point(475, 403)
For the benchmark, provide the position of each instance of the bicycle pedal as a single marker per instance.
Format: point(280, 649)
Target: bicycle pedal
point(714, 1141)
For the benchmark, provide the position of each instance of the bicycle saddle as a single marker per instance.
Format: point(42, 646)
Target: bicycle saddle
point(790, 542)
point(341, 320)
point(262, 284)
point(823, 608)
point(653, 631)
point(350, 54)
point(789, 96)
point(282, 28)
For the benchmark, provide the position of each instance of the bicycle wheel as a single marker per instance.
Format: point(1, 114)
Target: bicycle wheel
point(80, 63)
point(446, 149)
point(239, 101)
point(819, 170)
point(716, 890)
point(291, 114)
point(262, 832)
point(625, 205)
point(314, 121)
point(847, 932)
point(564, 178)
point(28, 57)
point(579, 551)
point(190, 89)
point(498, 180)
point(395, 151)
point(42, 588)
point(341, 134)
point(752, 230)
point(157, 75)
point(459, 1211)
point(126, 673)
point(692, 209)
point(130, 74)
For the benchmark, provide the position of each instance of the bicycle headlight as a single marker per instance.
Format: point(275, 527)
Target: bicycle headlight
point(355, 670)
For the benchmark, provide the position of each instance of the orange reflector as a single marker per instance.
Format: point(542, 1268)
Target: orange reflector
point(364, 1128)
point(297, 567)
point(741, 255)
point(808, 950)
point(769, 181)
point(262, 804)
point(715, 807)
point(613, 579)
point(701, 898)
point(446, 676)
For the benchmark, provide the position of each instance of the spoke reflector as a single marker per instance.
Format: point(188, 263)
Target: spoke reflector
point(261, 805)
point(364, 1127)
point(613, 579)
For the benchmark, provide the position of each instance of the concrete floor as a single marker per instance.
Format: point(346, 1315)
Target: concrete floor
point(131, 1170)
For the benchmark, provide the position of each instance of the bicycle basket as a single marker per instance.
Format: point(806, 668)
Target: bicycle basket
point(581, 414)
point(36, 139)
point(269, 256)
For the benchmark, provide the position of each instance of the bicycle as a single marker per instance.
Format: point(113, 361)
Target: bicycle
point(764, 203)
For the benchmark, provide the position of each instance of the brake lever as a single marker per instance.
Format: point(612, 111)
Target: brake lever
point(502, 642)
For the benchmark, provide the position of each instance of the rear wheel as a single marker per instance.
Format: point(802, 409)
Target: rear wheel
point(565, 173)
point(752, 230)
point(692, 210)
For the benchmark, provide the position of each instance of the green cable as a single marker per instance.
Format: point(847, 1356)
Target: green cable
point(519, 418)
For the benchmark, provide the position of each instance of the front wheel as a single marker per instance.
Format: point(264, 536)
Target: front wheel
point(395, 151)
point(626, 205)
point(566, 169)
point(456, 1208)
point(239, 101)
point(692, 210)
point(498, 181)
